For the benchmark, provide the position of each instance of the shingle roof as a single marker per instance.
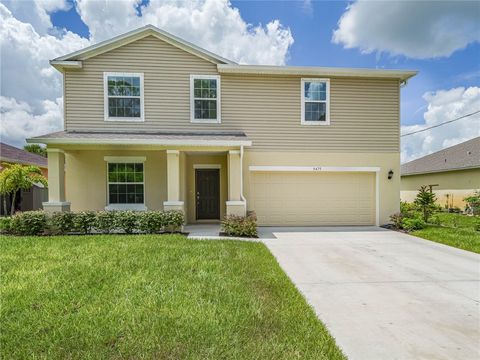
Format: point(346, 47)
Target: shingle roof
point(12, 154)
point(465, 155)
point(152, 138)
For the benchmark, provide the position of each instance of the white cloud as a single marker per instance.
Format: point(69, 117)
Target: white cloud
point(31, 88)
point(36, 12)
point(19, 121)
point(26, 73)
point(416, 29)
point(212, 24)
point(443, 105)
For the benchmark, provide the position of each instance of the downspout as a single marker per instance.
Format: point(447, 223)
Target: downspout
point(241, 175)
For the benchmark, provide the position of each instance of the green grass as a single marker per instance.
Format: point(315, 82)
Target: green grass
point(151, 297)
point(457, 230)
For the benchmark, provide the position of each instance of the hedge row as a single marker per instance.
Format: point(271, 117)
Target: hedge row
point(88, 222)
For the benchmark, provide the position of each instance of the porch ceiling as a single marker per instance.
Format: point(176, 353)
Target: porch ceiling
point(200, 139)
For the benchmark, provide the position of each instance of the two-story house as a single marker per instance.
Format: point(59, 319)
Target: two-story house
point(154, 122)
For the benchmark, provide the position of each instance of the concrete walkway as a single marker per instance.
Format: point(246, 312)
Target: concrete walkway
point(383, 294)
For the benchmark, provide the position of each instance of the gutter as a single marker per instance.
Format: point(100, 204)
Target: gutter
point(402, 75)
point(167, 142)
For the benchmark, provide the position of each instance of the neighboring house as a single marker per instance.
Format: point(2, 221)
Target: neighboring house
point(30, 199)
point(154, 122)
point(452, 173)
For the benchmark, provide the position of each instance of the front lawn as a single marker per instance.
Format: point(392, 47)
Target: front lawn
point(151, 297)
point(456, 230)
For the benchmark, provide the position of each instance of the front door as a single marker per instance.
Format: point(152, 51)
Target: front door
point(207, 188)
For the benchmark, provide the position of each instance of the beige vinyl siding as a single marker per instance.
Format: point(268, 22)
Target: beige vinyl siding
point(364, 113)
point(166, 72)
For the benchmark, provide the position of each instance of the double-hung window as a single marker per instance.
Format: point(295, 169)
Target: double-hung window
point(315, 101)
point(123, 96)
point(205, 98)
point(125, 183)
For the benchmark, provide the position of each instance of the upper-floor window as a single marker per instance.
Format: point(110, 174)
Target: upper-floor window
point(315, 101)
point(205, 98)
point(123, 96)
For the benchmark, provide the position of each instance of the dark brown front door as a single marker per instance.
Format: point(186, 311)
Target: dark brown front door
point(207, 187)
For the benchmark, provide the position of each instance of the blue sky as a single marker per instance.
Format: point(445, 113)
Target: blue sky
point(440, 39)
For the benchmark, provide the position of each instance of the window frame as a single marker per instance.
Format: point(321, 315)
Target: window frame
point(125, 160)
point(106, 97)
point(326, 101)
point(192, 100)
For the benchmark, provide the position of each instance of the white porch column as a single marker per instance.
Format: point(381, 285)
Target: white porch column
point(173, 182)
point(56, 182)
point(235, 204)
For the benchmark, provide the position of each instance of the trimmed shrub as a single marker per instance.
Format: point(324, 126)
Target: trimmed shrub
point(61, 222)
point(105, 221)
point(29, 223)
point(242, 226)
point(126, 220)
point(396, 220)
point(84, 221)
point(5, 225)
point(174, 220)
point(152, 221)
point(414, 223)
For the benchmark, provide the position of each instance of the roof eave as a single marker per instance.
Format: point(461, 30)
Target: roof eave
point(61, 65)
point(16, 161)
point(158, 142)
point(441, 171)
point(402, 75)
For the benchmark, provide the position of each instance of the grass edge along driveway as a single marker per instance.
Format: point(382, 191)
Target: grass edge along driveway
point(152, 296)
point(456, 230)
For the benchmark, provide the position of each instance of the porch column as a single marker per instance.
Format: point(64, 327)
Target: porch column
point(173, 182)
point(56, 182)
point(235, 204)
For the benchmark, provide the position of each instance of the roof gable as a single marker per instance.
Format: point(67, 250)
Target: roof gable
point(74, 59)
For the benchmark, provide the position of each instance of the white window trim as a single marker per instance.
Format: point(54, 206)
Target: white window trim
point(125, 159)
point(327, 113)
point(105, 97)
point(192, 100)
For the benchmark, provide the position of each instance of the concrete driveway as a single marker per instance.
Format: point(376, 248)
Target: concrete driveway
point(383, 294)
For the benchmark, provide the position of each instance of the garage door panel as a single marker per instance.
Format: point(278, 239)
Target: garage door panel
point(314, 198)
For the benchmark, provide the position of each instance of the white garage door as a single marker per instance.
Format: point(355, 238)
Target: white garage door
point(309, 199)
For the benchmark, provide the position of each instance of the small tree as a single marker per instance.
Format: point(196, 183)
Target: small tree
point(425, 200)
point(16, 177)
point(36, 149)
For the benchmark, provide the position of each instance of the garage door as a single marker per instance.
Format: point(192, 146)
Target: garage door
point(309, 199)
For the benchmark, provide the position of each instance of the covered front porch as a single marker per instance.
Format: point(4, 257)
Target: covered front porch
point(199, 174)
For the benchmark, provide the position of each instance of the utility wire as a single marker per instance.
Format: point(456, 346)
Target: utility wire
point(446, 122)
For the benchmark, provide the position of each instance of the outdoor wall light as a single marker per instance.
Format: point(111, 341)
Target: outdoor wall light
point(390, 174)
